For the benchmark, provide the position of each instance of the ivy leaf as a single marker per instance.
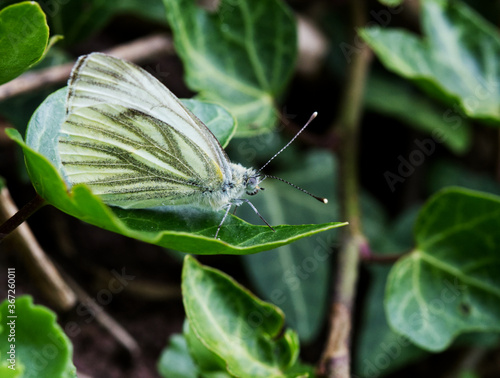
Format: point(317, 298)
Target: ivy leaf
point(220, 122)
point(457, 60)
point(381, 350)
point(35, 332)
point(235, 325)
point(241, 55)
point(207, 361)
point(449, 284)
point(24, 36)
point(182, 228)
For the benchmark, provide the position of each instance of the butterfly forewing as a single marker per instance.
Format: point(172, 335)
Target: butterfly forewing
point(130, 139)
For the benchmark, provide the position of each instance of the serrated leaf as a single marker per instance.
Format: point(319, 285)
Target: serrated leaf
point(24, 35)
point(449, 284)
point(181, 228)
point(448, 63)
point(40, 345)
point(241, 55)
point(238, 327)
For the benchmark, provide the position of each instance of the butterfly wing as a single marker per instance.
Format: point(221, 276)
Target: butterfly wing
point(131, 140)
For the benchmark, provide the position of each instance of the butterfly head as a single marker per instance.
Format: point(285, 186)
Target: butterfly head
point(252, 182)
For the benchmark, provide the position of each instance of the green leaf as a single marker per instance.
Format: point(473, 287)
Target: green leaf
point(215, 117)
point(449, 284)
point(457, 60)
point(175, 360)
point(24, 35)
point(187, 357)
point(394, 98)
point(296, 277)
point(207, 361)
point(241, 329)
point(381, 350)
point(241, 55)
point(182, 228)
point(40, 345)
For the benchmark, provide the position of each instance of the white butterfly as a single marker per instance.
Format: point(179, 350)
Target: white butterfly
point(135, 145)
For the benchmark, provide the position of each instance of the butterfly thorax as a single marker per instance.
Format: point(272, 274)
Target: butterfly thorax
point(242, 181)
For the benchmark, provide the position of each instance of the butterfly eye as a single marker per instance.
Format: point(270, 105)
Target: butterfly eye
point(252, 182)
point(252, 187)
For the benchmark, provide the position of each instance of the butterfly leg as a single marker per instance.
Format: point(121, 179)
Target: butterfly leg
point(223, 219)
point(257, 212)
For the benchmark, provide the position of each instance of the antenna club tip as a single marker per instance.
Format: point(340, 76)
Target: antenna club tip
point(324, 200)
point(314, 115)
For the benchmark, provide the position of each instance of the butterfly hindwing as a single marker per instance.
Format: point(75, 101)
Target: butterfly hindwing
point(132, 142)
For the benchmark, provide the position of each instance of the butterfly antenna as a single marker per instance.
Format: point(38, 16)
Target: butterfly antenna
point(295, 137)
point(320, 199)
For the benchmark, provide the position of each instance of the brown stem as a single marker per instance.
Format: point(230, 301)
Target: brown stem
point(336, 359)
point(136, 51)
point(19, 217)
point(41, 268)
point(367, 256)
point(383, 259)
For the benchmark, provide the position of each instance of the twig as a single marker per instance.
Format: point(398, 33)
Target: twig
point(106, 321)
point(137, 51)
point(367, 256)
point(383, 259)
point(40, 266)
point(16, 217)
point(336, 358)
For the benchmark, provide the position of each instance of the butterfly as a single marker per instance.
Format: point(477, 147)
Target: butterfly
point(135, 145)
